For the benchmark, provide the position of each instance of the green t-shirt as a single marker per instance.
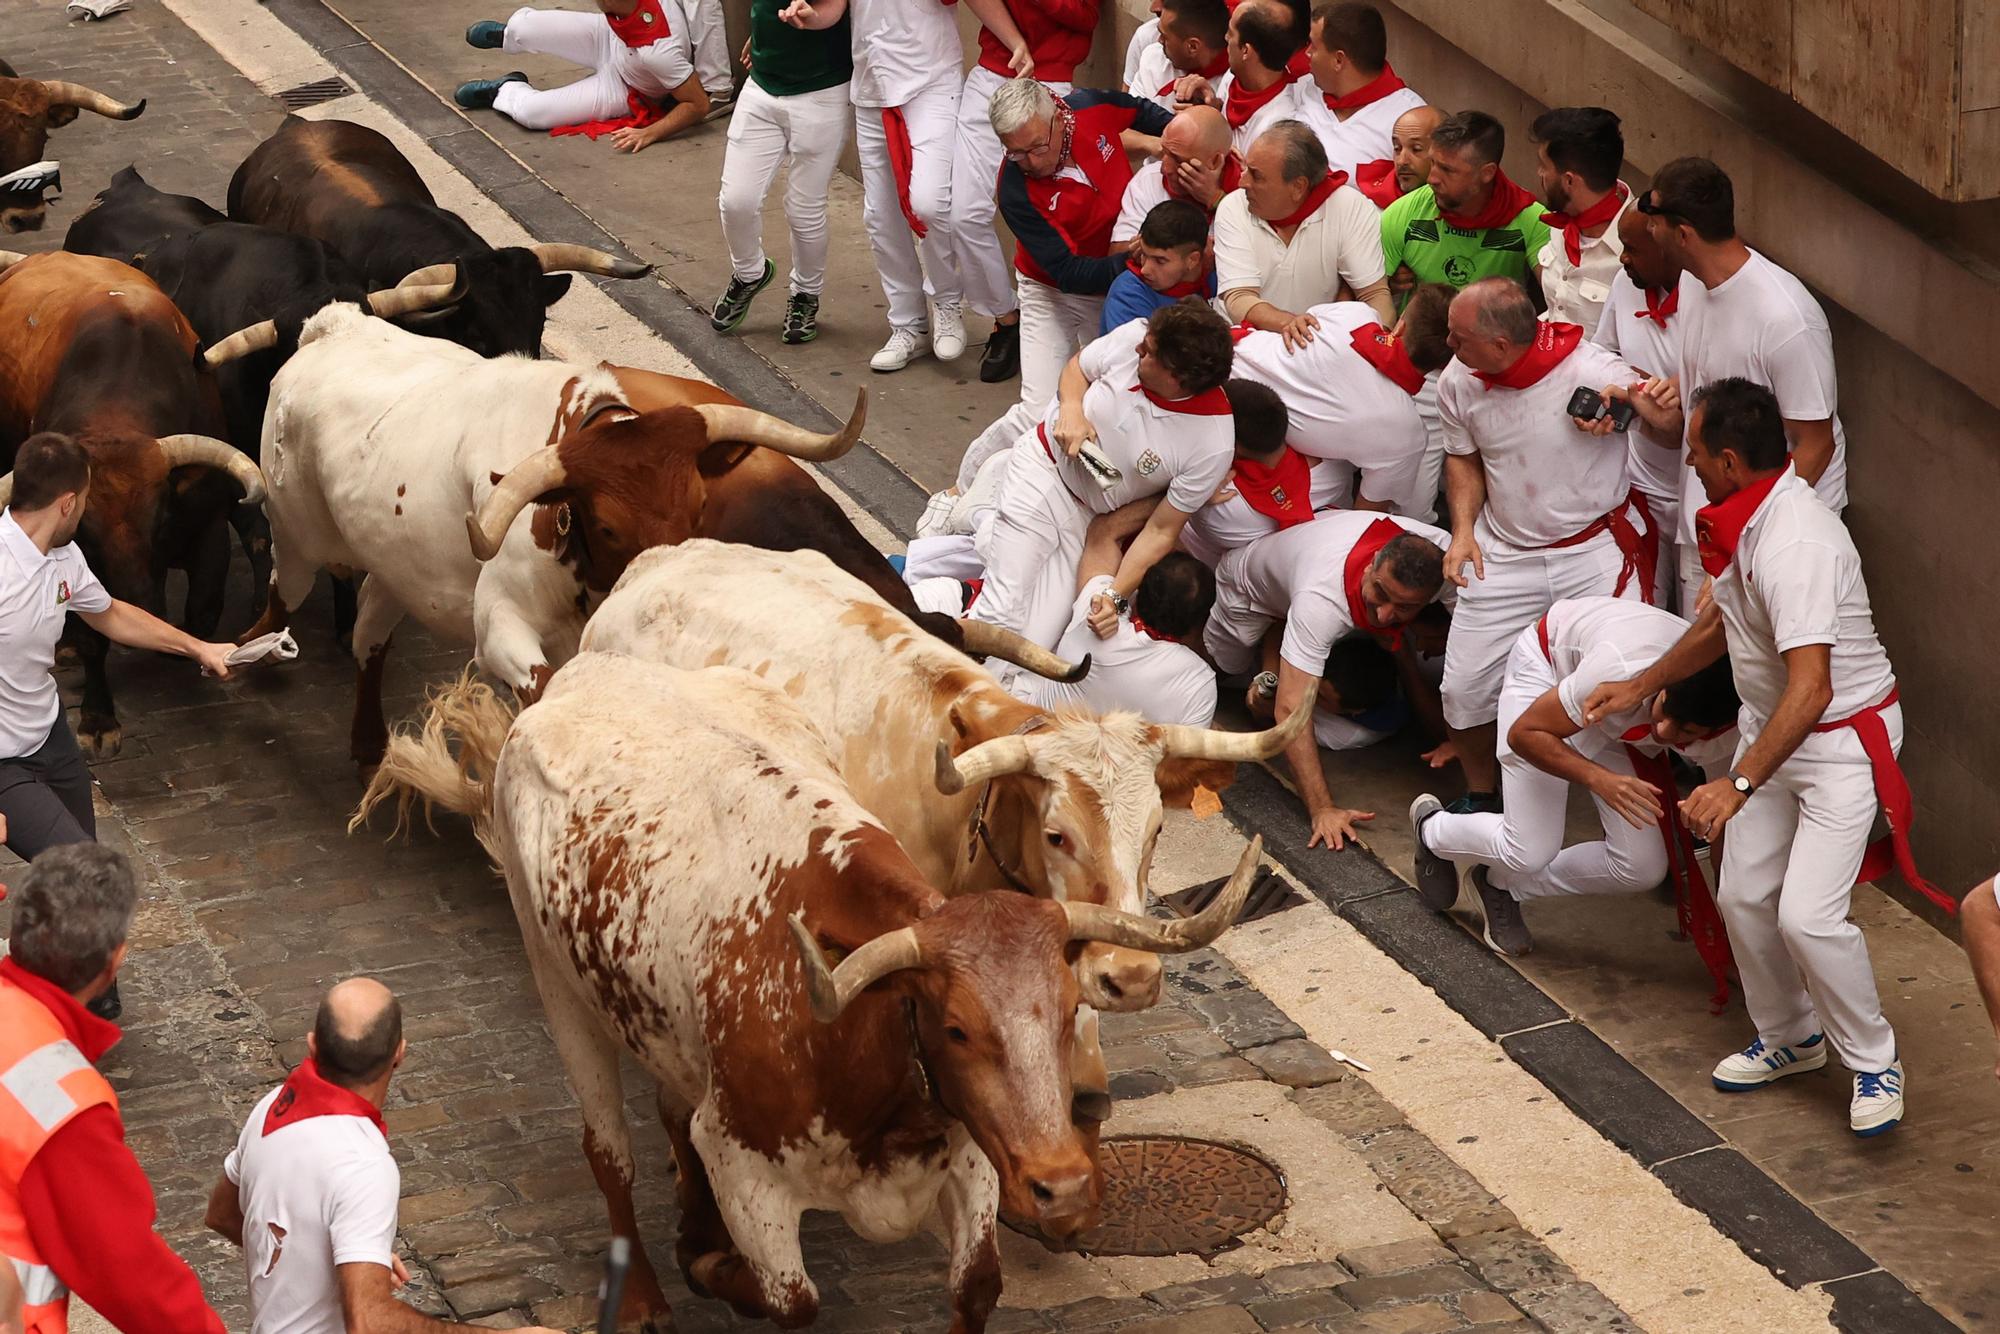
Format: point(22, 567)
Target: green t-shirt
point(1437, 252)
point(786, 61)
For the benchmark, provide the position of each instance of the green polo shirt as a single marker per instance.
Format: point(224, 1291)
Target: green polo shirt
point(786, 61)
point(1437, 252)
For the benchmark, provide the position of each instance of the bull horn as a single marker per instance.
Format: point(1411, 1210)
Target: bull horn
point(187, 450)
point(830, 989)
point(253, 338)
point(89, 99)
point(409, 298)
point(430, 274)
point(992, 641)
point(1206, 743)
point(732, 421)
point(1094, 921)
point(9, 258)
point(562, 257)
point(988, 760)
point(540, 471)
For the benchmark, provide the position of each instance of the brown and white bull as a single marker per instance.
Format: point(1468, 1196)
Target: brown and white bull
point(977, 786)
point(680, 871)
point(29, 109)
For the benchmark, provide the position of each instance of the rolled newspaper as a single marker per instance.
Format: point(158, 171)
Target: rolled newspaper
point(278, 645)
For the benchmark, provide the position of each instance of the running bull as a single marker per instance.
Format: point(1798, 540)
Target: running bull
point(29, 109)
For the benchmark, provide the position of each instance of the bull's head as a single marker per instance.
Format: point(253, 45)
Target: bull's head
point(994, 992)
point(1077, 804)
point(508, 292)
point(29, 109)
point(629, 481)
point(414, 305)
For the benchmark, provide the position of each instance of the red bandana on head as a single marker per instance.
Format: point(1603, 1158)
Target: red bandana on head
point(1192, 287)
point(1214, 70)
point(1241, 104)
point(642, 27)
point(1387, 354)
point(1574, 225)
point(1660, 311)
point(1210, 403)
point(1230, 178)
point(1719, 527)
point(1506, 203)
point(307, 1094)
point(1282, 493)
point(1316, 196)
point(1374, 90)
point(1378, 535)
point(1553, 344)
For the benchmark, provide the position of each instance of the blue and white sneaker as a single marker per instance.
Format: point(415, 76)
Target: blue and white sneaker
point(1878, 1101)
point(1757, 1065)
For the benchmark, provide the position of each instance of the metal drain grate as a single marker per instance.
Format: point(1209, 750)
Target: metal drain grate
point(314, 93)
point(1269, 893)
point(1170, 1195)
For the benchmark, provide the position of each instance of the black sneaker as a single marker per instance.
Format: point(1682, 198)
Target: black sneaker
point(1003, 354)
point(107, 1006)
point(487, 35)
point(734, 304)
point(1506, 932)
point(1436, 877)
point(801, 319)
point(479, 94)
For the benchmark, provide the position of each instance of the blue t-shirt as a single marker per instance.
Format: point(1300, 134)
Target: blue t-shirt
point(1130, 299)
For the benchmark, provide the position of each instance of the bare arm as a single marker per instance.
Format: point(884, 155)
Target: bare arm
point(1980, 914)
point(1812, 446)
point(368, 1301)
point(1377, 297)
point(1703, 643)
point(813, 15)
point(1104, 541)
point(1465, 496)
point(1072, 427)
point(993, 13)
point(1160, 535)
point(134, 627)
point(1541, 737)
point(690, 105)
point(225, 1211)
point(1331, 824)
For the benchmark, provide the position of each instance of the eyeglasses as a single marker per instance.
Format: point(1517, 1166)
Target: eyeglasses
point(1023, 154)
point(1644, 203)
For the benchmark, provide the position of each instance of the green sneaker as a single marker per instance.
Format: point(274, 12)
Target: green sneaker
point(734, 304)
point(801, 319)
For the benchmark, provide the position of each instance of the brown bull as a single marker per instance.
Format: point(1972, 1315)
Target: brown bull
point(29, 109)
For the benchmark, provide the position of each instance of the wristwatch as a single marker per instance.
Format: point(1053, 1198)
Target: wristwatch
point(1741, 784)
point(1119, 602)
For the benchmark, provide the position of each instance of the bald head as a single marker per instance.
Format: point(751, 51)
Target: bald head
point(1501, 309)
point(357, 1035)
point(1410, 146)
point(1198, 133)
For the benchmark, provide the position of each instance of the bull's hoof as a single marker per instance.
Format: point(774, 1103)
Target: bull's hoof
point(98, 739)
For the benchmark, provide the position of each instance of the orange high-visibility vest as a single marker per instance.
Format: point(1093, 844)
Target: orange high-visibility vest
point(44, 1082)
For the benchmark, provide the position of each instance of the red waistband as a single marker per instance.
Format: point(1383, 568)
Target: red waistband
point(1641, 549)
point(1853, 719)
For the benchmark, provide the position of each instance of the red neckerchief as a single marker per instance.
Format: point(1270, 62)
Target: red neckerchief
point(1232, 176)
point(1506, 203)
point(1215, 69)
point(1283, 493)
point(1374, 90)
point(1300, 66)
point(1241, 104)
point(1377, 180)
point(1553, 344)
point(1719, 527)
point(1388, 355)
point(1315, 197)
point(642, 27)
point(1378, 535)
point(307, 1094)
point(1150, 632)
point(87, 1033)
point(1193, 287)
point(1240, 331)
point(1209, 403)
point(1574, 225)
point(1660, 311)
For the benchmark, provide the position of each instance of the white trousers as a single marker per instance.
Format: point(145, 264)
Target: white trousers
point(708, 35)
point(1430, 477)
point(1690, 577)
point(1519, 587)
point(1055, 326)
point(944, 596)
point(911, 269)
point(1666, 587)
point(581, 39)
point(1031, 545)
point(804, 133)
point(1522, 848)
point(1336, 732)
point(1788, 867)
point(948, 557)
point(975, 176)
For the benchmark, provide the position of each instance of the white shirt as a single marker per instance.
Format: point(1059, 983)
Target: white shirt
point(36, 592)
point(1764, 325)
point(1576, 292)
point(1651, 350)
point(1341, 407)
point(1154, 72)
point(1598, 639)
point(657, 69)
point(901, 47)
point(1229, 521)
point(1145, 37)
point(1146, 191)
point(1300, 574)
point(1363, 137)
point(330, 1183)
point(1545, 479)
point(1804, 586)
point(1280, 107)
point(1340, 242)
point(1159, 679)
point(1154, 448)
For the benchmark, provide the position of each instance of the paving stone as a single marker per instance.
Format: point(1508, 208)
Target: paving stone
point(1431, 1185)
point(1394, 1258)
point(1099, 1312)
point(1511, 1260)
point(1397, 1289)
point(1217, 1070)
point(1135, 1084)
point(1349, 1105)
point(1421, 1318)
point(1305, 1277)
point(1294, 1062)
point(1245, 1018)
point(1485, 1309)
point(496, 1261)
point(1299, 1309)
point(1575, 1308)
point(1207, 1320)
point(1207, 1292)
point(453, 1201)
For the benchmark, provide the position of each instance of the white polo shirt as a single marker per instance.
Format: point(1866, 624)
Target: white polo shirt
point(331, 1185)
point(657, 69)
point(1341, 407)
point(36, 592)
point(1803, 586)
point(1340, 242)
point(1159, 679)
point(1154, 72)
point(901, 47)
point(1280, 107)
point(1144, 37)
point(1545, 479)
point(1763, 325)
point(1598, 639)
point(1143, 193)
point(1300, 574)
point(1576, 293)
point(1360, 139)
point(1641, 342)
point(1154, 448)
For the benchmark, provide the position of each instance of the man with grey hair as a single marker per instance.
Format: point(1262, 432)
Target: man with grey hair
point(1297, 235)
point(1541, 507)
point(76, 1212)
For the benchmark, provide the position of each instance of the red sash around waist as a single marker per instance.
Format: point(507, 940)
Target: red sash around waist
point(1892, 789)
point(1640, 549)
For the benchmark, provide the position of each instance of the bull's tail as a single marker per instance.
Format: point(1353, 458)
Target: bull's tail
point(426, 764)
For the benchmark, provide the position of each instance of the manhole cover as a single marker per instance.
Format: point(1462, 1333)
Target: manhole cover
point(314, 93)
point(1269, 893)
point(1168, 1195)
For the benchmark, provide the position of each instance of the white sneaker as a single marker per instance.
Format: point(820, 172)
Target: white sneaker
point(936, 518)
point(947, 330)
point(901, 349)
point(1757, 1065)
point(1878, 1101)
